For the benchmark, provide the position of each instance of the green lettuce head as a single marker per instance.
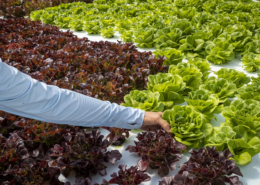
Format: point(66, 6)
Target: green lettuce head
point(193, 47)
point(144, 37)
point(240, 36)
point(251, 62)
point(76, 25)
point(63, 22)
point(92, 27)
point(234, 76)
point(241, 142)
point(220, 87)
point(167, 37)
point(147, 100)
point(202, 65)
point(36, 15)
point(173, 56)
point(219, 52)
point(190, 74)
point(204, 102)
point(219, 137)
point(170, 86)
point(107, 32)
point(253, 47)
point(188, 126)
point(243, 112)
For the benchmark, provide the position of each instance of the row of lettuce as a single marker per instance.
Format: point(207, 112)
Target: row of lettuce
point(214, 29)
point(205, 97)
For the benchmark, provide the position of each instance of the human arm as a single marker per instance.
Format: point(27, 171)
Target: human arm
point(27, 97)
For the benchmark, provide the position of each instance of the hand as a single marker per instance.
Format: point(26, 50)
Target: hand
point(153, 120)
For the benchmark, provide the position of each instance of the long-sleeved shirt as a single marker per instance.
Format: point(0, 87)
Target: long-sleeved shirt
point(24, 96)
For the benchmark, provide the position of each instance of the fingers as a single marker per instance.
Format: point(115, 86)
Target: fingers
point(165, 125)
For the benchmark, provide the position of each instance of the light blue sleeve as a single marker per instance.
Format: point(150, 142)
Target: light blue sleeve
point(21, 95)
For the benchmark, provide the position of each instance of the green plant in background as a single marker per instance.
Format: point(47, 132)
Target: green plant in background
point(190, 73)
point(92, 27)
point(202, 65)
point(36, 15)
point(221, 87)
point(147, 100)
point(144, 37)
point(173, 56)
point(188, 126)
point(76, 25)
point(47, 18)
point(63, 22)
point(205, 102)
point(170, 86)
point(243, 112)
point(127, 36)
point(107, 32)
point(234, 76)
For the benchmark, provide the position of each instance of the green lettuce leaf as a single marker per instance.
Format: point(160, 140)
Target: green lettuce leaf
point(252, 47)
point(240, 36)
